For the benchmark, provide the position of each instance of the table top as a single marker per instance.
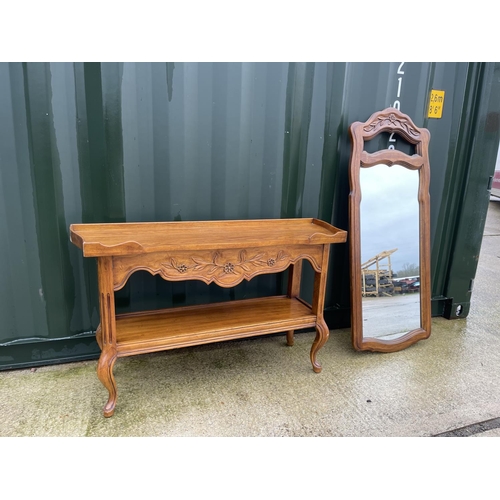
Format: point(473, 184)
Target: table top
point(129, 238)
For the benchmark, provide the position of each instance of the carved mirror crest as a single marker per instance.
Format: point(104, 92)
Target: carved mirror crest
point(389, 236)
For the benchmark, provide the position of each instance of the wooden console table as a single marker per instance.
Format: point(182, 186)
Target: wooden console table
point(224, 252)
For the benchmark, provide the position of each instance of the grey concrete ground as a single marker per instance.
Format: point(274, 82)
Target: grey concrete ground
point(261, 387)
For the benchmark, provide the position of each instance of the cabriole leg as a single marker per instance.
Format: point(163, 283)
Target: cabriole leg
point(106, 335)
point(322, 334)
point(322, 331)
point(105, 374)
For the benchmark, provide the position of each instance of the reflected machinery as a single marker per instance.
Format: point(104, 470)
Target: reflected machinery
point(378, 279)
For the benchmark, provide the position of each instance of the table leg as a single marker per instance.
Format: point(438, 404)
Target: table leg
point(322, 334)
point(105, 374)
point(107, 331)
point(322, 331)
point(294, 275)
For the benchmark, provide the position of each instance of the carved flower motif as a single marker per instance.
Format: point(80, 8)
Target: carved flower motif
point(182, 268)
point(392, 118)
point(271, 262)
point(228, 267)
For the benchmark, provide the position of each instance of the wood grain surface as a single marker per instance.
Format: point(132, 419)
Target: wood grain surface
point(392, 121)
point(223, 252)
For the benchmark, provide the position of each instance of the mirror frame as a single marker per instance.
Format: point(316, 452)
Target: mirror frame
point(389, 120)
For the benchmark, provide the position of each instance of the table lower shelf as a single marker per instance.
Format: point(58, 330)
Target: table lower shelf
point(151, 331)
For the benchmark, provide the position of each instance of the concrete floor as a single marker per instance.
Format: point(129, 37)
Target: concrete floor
point(261, 387)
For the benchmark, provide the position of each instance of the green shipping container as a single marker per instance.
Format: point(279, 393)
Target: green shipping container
point(113, 142)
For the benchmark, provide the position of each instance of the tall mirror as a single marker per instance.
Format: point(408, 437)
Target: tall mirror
point(389, 236)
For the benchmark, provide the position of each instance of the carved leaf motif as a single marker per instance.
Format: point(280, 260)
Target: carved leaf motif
point(281, 255)
point(201, 264)
point(216, 258)
point(244, 263)
point(182, 268)
point(382, 121)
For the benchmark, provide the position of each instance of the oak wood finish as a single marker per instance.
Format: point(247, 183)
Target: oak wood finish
point(129, 238)
point(227, 268)
point(107, 334)
point(392, 121)
point(224, 252)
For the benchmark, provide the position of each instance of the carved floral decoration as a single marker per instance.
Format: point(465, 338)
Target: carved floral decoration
point(381, 121)
point(244, 263)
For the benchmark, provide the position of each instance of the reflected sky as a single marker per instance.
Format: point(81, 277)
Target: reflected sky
point(389, 214)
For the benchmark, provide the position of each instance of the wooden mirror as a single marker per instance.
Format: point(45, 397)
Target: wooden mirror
point(389, 235)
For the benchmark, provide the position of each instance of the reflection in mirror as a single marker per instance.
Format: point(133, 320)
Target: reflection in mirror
point(389, 233)
point(389, 220)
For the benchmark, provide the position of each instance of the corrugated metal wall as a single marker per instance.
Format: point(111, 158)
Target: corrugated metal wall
point(106, 142)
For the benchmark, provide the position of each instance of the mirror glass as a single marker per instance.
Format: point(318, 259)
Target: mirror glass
point(390, 259)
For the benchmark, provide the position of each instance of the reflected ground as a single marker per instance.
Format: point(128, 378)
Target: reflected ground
point(397, 314)
point(389, 224)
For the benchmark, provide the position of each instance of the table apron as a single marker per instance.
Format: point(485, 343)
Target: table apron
point(226, 267)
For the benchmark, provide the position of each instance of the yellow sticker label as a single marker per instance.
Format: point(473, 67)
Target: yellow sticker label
point(436, 103)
